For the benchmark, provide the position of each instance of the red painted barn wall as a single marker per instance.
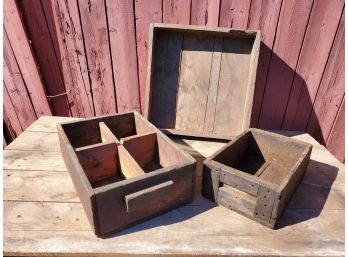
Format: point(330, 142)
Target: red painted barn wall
point(91, 56)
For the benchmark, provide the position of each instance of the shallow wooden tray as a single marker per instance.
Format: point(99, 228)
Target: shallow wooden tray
point(200, 80)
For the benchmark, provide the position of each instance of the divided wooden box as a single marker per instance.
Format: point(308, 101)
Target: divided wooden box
point(124, 170)
point(255, 174)
point(200, 80)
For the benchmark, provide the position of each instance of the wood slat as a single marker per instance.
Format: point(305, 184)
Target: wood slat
point(120, 15)
point(336, 137)
point(39, 35)
point(146, 12)
point(176, 11)
point(263, 16)
point(16, 88)
point(321, 29)
point(24, 57)
point(234, 13)
point(33, 160)
point(331, 90)
point(49, 123)
point(72, 56)
point(11, 121)
point(293, 20)
point(205, 12)
point(39, 186)
point(95, 35)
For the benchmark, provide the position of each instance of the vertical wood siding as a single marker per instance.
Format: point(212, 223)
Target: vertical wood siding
point(93, 55)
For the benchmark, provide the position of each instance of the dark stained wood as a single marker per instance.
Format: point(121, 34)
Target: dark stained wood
point(124, 179)
point(141, 199)
point(98, 161)
point(256, 174)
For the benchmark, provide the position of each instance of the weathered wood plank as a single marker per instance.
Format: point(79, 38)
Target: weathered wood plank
point(176, 11)
point(129, 167)
point(33, 160)
point(10, 117)
point(16, 89)
point(293, 20)
point(43, 186)
point(95, 34)
point(234, 13)
point(321, 29)
point(194, 82)
point(48, 123)
point(205, 12)
point(263, 16)
point(146, 12)
point(120, 15)
point(336, 137)
point(24, 57)
point(72, 243)
point(73, 57)
point(331, 90)
point(36, 141)
point(38, 31)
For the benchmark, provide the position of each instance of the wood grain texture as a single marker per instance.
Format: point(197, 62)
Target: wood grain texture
point(13, 125)
point(176, 11)
point(263, 16)
point(16, 88)
point(95, 34)
point(315, 216)
point(293, 20)
point(73, 57)
point(234, 13)
point(146, 12)
point(120, 15)
point(337, 135)
point(205, 12)
point(39, 35)
point(331, 90)
point(24, 57)
point(315, 50)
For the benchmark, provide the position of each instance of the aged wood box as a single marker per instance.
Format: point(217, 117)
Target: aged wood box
point(255, 174)
point(200, 80)
point(125, 170)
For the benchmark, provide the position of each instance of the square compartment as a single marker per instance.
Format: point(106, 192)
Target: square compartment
point(256, 173)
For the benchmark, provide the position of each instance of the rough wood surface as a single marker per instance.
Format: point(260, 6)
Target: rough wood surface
point(20, 44)
point(57, 224)
point(205, 12)
point(120, 15)
point(95, 32)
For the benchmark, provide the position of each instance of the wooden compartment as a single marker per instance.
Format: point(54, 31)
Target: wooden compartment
point(200, 80)
point(255, 174)
point(125, 170)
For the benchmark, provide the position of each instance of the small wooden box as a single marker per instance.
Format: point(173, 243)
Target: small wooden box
point(256, 174)
point(124, 170)
point(200, 80)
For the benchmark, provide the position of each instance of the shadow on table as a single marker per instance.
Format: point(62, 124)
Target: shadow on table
point(198, 206)
point(311, 195)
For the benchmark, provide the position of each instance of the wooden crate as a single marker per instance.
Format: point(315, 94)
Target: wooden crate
point(200, 80)
point(125, 170)
point(255, 174)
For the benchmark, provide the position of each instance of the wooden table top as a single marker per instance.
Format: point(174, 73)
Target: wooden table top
point(44, 216)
